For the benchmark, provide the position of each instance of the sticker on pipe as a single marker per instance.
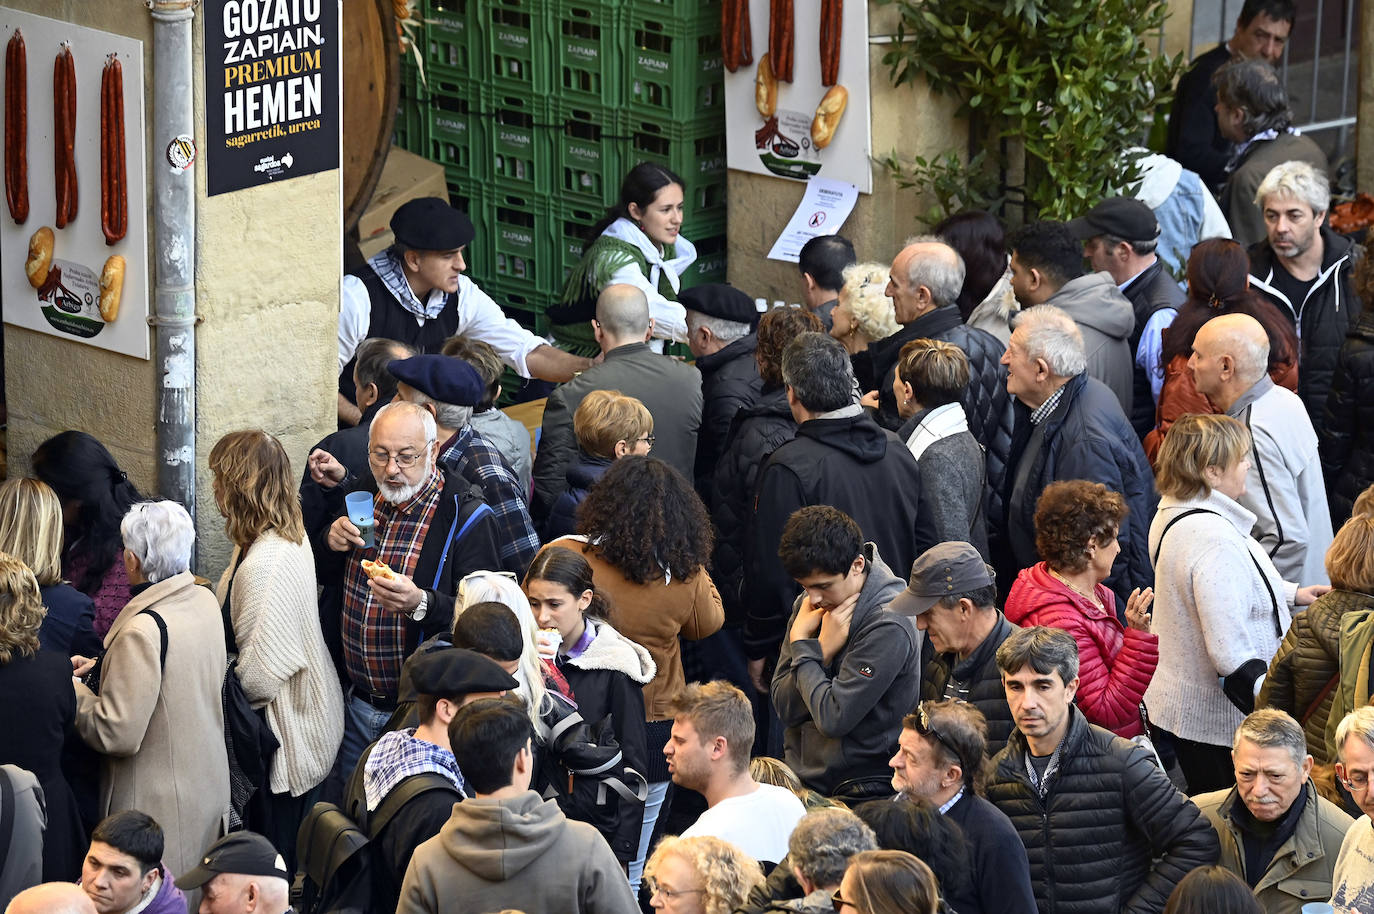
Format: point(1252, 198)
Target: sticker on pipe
point(70, 299)
point(181, 152)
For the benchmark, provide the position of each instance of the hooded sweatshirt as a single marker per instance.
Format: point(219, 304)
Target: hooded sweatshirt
point(1106, 319)
point(843, 718)
point(520, 853)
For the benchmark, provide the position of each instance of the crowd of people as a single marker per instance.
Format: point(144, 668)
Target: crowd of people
point(1023, 571)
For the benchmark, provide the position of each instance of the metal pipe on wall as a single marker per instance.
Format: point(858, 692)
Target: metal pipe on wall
point(174, 218)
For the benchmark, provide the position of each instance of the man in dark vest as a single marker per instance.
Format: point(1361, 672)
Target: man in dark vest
point(415, 292)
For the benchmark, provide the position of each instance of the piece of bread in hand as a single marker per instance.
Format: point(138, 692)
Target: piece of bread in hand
point(377, 570)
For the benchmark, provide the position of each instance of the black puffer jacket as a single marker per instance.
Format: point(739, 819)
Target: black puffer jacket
point(987, 403)
point(755, 433)
point(729, 382)
point(1346, 433)
point(979, 670)
point(1153, 290)
point(1329, 312)
point(581, 475)
point(1308, 659)
point(1111, 835)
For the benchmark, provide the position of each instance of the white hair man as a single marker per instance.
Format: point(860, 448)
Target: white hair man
point(1284, 487)
point(1352, 886)
point(241, 873)
point(1068, 426)
point(431, 528)
point(1276, 831)
point(1306, 269)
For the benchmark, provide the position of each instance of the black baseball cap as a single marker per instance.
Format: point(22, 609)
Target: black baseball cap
point(243, 853)
point(1122, 217)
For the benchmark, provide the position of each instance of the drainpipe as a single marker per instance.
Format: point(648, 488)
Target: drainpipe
point(174, 219)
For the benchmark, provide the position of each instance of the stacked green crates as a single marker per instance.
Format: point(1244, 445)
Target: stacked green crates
point(537, 108)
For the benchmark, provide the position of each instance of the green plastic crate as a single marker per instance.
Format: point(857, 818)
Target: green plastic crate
point(673, 69)
point(710, 263)
point(516, 46)
point(520, 232)
point(412, 124)
point(587, 164)
point(696, 153)
point(586, 56)
point(572, 222)
point(455, 124)
point(451, 33)
point(520, 305)
point(518, 135)
point(465, 195)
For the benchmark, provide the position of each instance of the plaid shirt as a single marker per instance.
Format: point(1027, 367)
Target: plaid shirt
point(470, 456)
point(374, 637)
point(399, 755)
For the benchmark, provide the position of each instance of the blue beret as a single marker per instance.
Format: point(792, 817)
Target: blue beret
point(430, 224)
point(444, 378)
point(720, 300)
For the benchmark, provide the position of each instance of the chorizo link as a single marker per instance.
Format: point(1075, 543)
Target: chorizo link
point(59, 146)
point(121, 173)
point(69, 74)
point(21, 124)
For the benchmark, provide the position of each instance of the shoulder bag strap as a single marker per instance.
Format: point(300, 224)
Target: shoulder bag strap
point(402, 794)
point(1273, 600)
point(1170, 525)
point(162, 631)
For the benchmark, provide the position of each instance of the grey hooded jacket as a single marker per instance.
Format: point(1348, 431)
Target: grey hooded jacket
point(1106, 319)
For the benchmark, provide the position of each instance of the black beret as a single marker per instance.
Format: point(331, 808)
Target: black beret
point(722, 300)
point(453, 671)
point(430, 224)
point(445, 378)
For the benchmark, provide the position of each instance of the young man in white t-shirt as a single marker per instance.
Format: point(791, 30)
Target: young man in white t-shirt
point(713, 729)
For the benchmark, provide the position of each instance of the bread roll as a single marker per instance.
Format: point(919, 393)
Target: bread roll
point(828, 115)
point(111, 286)
point(40, 257)
point(765, 88)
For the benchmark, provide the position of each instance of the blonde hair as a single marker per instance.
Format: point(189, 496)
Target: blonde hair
point(768, 770)
point(606, 417)
point(21, 610)
point(936, 370)
point(31, 527)
point(254, 487)
point(1364, 502)
point(728, 873)
point(1194, 443)
point(863, 293)
point(1350, 558)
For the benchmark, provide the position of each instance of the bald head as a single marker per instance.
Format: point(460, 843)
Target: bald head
point(926, 274)
point(52, 898)
point(622, 313)
point(1230, 353)
point(239, 893)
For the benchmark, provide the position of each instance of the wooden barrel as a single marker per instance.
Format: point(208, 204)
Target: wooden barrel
point(371, 91)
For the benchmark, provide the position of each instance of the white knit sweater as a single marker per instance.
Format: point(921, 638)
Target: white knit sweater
point(1212, 613)
point(283, 662)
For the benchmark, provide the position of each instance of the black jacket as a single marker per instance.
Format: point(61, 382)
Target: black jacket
point(1153, 290)
point(1194, 139)
point(986, 400)
point(462, 539)
point(1347, 442)
point(349, 447)
point(980, 672)
point(1000, 881)
point(851, 464)
point(1330, 311)
point(729, 382)
point(755, 433)
point(1112, 835)
point(1087, 437)
point(582, 474)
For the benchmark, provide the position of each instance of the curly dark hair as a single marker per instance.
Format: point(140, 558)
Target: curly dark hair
point(1219, 283)
point(777, 328)
point(1071, 514)
point(644, 517)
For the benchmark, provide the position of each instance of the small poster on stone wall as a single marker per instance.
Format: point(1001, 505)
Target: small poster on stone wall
point(271, 91)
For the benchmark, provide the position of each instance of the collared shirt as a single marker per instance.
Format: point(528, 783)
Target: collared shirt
point(949, 804)
point(1042, 785)
point(1042, 412)
point(374, 637)
point(469, 455)
point(399, 755)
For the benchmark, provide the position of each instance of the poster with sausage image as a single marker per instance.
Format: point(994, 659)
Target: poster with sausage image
point(73, 234)
point(796, 88)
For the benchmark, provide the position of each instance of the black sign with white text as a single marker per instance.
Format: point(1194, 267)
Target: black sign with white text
point(271, 90)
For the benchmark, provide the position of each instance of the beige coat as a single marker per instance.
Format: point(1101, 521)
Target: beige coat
point(164, 747)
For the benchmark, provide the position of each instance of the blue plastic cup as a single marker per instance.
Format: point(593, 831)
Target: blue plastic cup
point(359, 507)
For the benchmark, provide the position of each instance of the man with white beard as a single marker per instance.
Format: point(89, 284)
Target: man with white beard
point(432, 528)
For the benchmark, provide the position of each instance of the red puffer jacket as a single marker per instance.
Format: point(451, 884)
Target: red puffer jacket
point(1115, 663)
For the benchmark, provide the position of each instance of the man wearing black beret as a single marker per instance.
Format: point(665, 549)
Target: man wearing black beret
point(721, 323)
point(406, 783)
point(415, 292)
point(449, 388)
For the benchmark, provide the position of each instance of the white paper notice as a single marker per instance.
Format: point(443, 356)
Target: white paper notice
point(823, 209)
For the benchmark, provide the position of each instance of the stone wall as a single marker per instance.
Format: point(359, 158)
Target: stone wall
point(268, 262)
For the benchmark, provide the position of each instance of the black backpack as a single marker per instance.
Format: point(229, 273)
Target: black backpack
point(343, 870)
